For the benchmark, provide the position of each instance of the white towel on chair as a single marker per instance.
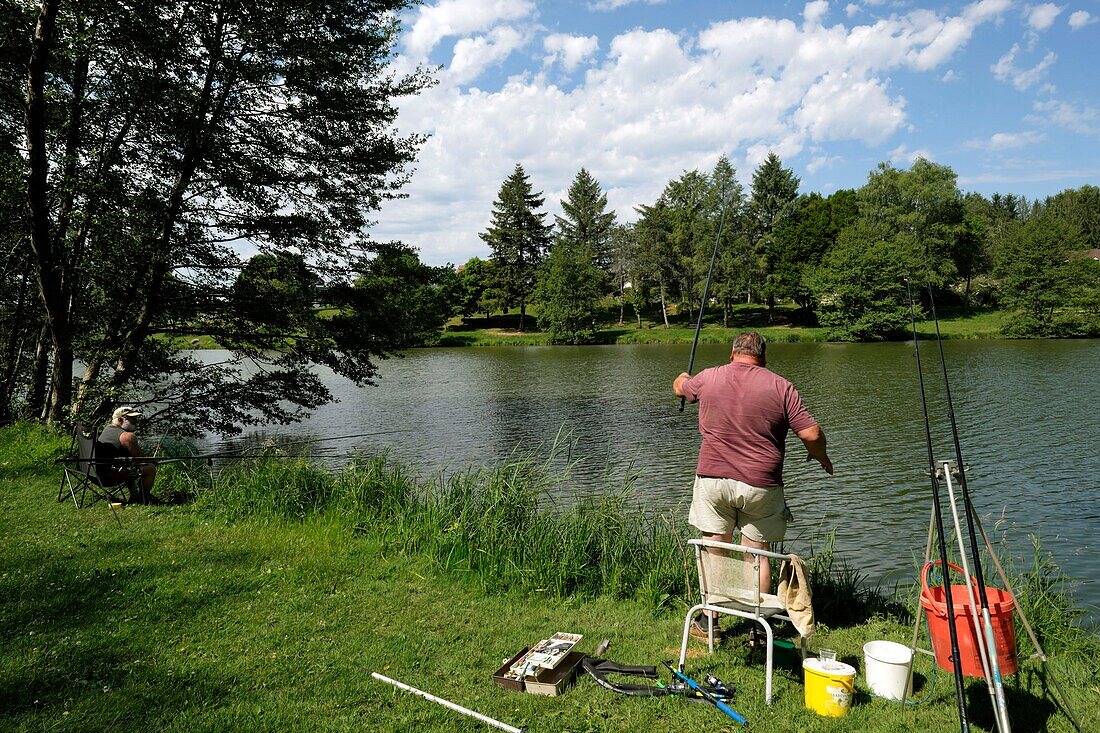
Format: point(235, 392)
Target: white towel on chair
point(795, 594)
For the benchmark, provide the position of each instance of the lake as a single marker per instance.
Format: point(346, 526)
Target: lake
point(1028, 415)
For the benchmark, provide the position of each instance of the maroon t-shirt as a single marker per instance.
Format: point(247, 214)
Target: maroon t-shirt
point(745, 412)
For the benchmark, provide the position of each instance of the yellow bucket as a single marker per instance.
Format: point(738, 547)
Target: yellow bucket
point(829, 687)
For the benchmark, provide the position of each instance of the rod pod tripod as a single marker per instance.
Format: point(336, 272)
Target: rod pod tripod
point(947, 471)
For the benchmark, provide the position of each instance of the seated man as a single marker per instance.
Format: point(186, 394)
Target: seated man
point(120, 435)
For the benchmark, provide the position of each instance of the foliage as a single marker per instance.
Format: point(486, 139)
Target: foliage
point(569, 290)
point(159, 136)
point(475, 280)
point(586, 221)
point(860, 288)
point(1051, 292)
point(909, 226)
point(802, 239)
point(519, 240)
point(774, 192)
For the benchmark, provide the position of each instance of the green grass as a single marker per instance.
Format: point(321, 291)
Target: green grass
point(263, 603)
point(779, 327)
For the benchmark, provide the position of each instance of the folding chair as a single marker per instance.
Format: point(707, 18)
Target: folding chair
point(729, 581)
point(95, 469)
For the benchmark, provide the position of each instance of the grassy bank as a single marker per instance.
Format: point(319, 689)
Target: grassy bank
point(780, 326)
point(263, 600)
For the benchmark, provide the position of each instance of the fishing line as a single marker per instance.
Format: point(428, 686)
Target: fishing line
point(706, 290)
point(956, 660)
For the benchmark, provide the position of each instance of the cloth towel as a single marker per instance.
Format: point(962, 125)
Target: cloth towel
point(796, 595)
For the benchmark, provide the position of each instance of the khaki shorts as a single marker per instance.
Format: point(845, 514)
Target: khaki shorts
point(720, 505)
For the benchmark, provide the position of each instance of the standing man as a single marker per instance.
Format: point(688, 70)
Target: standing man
point(745, 411)
point(120, 435)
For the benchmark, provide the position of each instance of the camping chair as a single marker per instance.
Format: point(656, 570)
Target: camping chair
point(730, 584)
point(88, 472)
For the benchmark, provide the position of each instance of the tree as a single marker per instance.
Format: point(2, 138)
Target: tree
point(908, 226)
point(157, 136)
point(518, 238)
point(624, 253)
point(586, 220)
point(475, 278)
point(1052, 292)
point(1080, 209)
point(774, 190)
point(569, 289)
point(724, 206)
point(655, 258)
point(801, 240)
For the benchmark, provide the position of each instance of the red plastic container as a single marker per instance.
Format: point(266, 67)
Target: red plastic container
point(1001, 605)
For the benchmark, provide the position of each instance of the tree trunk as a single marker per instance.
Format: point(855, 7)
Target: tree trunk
point(49, 258)
point(522, 313)
point(664, 308)
point(13, 351)
point(36, 398)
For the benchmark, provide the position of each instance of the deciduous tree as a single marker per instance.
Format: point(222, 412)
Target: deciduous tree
point(156, 140)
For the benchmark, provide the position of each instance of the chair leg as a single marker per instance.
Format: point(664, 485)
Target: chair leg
point(768, 652)
point(687, 632)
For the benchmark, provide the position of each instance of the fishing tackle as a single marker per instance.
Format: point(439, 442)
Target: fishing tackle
point(712, 699)
point(997, 685)
point(956, 660)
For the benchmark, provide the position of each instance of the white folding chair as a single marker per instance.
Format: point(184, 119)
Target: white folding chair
point(729, 581)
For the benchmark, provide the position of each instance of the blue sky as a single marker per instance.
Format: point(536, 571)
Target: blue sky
point(637, 91)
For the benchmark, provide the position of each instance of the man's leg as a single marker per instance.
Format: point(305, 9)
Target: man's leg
point(765, 566)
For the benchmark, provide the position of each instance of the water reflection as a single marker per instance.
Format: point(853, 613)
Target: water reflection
point(1028, 413)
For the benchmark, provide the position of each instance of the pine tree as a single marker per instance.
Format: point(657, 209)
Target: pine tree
point(518, 238)
point(774, 190)
point(587, 221)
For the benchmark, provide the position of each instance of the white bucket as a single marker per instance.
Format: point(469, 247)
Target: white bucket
point(885, 664)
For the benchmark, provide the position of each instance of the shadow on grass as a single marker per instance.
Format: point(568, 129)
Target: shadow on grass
point(83, 628)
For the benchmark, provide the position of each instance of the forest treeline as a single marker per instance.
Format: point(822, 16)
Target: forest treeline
point(842, 259)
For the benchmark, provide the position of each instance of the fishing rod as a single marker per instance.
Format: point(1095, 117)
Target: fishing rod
point(997, 689)
point(240, 453)
point(706, 291)
point(956, 659)
point(736, 716)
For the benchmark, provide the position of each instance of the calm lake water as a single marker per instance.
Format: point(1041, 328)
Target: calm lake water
point(1028, 414)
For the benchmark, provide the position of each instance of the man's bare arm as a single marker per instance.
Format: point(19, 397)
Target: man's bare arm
point(813, 438)
point(129, 442)
point(677, 385)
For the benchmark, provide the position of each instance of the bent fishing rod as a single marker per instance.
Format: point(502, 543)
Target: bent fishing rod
point(706, 291)
point(968, 509)
point(956, 659)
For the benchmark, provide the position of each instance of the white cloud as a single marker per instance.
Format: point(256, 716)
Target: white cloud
point(841, 108)
point(653, 103)
point(1041, 17)
point(569, 50)
point(819, 162)
point(851, 9)
point(605, 5)
point(1006, 70)
point(814, 11)
point(1080, 18)
point(433, 23)
point(1007, 141)
point(1084, 120)
point(473, 55)
point(903, 155)
point(949, 75)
